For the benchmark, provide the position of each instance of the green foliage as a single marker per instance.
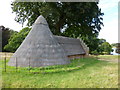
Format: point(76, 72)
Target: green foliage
point(106, 47)
point(6, 34)
point(102, 47)
point(102, 41)
point(95, 52)
point(92, 42)
point(99, 49)
point(115, 44)
point(83, 18)
point(16, 39)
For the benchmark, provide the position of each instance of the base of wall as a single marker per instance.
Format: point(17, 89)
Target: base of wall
point(77, 56)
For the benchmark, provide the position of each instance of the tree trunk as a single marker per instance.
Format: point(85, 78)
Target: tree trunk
point(59, 24)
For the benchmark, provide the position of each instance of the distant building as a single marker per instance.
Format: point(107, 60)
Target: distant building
point(115, 51)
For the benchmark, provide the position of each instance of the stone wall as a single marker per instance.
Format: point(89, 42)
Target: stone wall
point(86, 48)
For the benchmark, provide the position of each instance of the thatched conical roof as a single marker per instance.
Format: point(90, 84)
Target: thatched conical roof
point(39, 48)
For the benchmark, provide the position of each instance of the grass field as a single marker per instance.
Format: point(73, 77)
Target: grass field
point(93, 73)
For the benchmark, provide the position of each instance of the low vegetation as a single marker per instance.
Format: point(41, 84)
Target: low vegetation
point(109, 57)
point(91, 73)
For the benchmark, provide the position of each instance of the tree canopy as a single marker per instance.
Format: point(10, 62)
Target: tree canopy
point(71, 19)
point(107, 48)
point(16, 39)
point(103, 47)
point(6, 34)
point(96, 45)
point(75, 19)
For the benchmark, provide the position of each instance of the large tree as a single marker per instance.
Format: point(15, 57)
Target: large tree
point(72, 19)
point(107, 48)
point(16, 39)
point(81, 18)
point(6, 34)
point(101, 47)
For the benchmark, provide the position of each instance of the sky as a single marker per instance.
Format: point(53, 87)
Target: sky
point(108, 7)
point(110, 20)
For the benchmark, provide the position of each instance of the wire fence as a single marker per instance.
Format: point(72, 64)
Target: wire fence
point(74, 65)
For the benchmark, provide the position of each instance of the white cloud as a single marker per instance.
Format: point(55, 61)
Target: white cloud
point(110, 32)
point(110, 20)
point(108, 3)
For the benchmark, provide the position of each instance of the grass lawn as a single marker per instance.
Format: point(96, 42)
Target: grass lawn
point(92, 73)
point(110, 57)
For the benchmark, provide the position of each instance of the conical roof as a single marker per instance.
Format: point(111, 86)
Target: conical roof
point(39, 48)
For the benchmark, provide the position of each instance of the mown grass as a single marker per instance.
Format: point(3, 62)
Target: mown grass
point(109, 57)
point(92, 73)
point(74, 65)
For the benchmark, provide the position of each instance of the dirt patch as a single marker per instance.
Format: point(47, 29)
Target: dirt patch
point(110, 60)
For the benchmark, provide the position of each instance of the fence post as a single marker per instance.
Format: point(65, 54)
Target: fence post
point(29, 64)
point(5, 62)
point(16, 64)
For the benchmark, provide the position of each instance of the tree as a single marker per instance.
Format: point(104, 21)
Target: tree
point(16, 39)
point(106, 47)
point(92, 42)
point(100, 50)
point(6, 33)
point(83, 18)
point(115, 44)
point(102, 41)
point(101, 47)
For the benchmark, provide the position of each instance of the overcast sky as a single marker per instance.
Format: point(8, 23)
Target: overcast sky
point(108, 7)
